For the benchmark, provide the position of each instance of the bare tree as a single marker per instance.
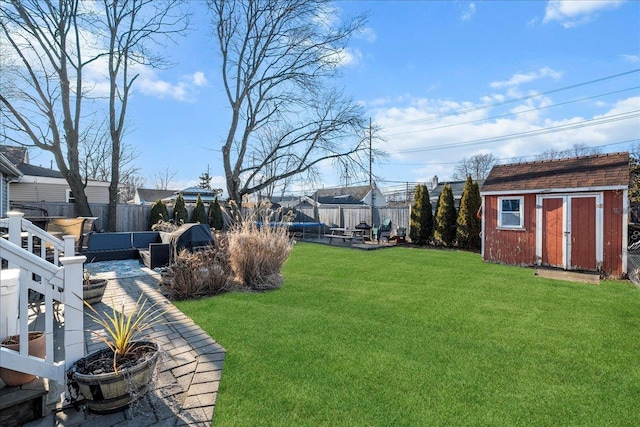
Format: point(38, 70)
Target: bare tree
point(576, 150)
point(132, 26)
point(95, 157)
point(278, 57)
point(162, 179)
point(42, 99)
point(478, 167)
point(129, 186)
point(51, 43)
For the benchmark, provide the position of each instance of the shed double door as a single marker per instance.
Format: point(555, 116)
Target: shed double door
point(571, 232)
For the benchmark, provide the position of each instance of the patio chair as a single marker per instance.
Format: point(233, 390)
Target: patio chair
point(68, 226)
point(382, 231)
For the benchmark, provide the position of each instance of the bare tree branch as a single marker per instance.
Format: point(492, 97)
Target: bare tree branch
point(477, 167)
point(278, 57)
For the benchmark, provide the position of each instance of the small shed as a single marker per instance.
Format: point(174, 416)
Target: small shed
point(566, 213)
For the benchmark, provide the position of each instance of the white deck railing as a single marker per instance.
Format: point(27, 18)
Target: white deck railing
point(60, 283)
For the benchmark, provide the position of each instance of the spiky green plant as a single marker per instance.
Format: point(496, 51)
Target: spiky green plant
point(122, 329)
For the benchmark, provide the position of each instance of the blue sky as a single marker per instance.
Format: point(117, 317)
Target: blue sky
point(439, 78)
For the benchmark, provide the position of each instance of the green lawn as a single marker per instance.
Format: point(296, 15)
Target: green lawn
point(424, 337)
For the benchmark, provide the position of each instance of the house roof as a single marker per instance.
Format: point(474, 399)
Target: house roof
point(33, 170)
point(604, 170)
point(15, 154)
point(457, 188)
point(342, 195)
point(150, 195)
point(198, 190)
point(190, 195)
point(7, 167)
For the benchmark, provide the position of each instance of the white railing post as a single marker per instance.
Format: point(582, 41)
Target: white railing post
point(15, 230)
point(69, 244)
point(73, 310)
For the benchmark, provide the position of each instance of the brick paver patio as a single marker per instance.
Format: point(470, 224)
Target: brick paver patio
point(188, 374)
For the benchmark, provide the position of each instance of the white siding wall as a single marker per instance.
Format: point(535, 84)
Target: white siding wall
point(38, 192)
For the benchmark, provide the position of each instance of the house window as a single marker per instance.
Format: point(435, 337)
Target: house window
point(70, 198)
point(511, 212)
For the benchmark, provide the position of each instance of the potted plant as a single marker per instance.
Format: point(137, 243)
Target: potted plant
point(92, 288)
point(37, 347)
point(116, 375)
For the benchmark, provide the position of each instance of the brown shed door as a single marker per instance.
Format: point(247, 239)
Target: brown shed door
point(583, 233)
point(552, 223)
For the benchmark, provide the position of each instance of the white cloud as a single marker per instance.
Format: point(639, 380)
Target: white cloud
point(630, 58)
point(347, 57)
point(468, 13)
point(199, 79)
point(571, 13)
point(184, 90)
point(520, 78)
point(366, 33)
point(423, 140)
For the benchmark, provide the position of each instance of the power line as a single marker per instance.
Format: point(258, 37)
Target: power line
point(515, 113)
point(511, 101)
point(560, 128)
point(504, 159)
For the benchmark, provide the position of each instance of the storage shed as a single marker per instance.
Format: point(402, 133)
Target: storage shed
point(566, 213)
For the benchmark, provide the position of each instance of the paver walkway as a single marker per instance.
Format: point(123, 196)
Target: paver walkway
point(188, 374)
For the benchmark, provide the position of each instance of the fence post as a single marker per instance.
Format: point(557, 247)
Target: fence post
point(73, 310)
point(15, 227)
point(15, 230)
point(69, 244)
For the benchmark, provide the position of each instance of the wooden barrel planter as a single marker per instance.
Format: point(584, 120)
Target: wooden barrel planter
point(109, 391)
point(37, 347)
point(93, 290)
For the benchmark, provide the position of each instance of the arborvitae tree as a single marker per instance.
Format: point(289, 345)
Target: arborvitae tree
point(199, 213)
point(179, 211)
point(215, 215)
point(158, 213)
point(421, 225)
point(469, 226)
point(444, 227)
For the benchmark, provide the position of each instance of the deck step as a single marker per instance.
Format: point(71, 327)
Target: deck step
point(19, 405)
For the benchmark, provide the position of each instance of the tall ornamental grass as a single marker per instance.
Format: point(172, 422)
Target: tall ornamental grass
point(258, 249)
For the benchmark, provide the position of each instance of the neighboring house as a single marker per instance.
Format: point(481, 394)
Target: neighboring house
point(286, 201)
point(457, 187)
point(8, 173)
point(38, 184)
point(190, 195)
point(148, 196)
point(567, 213)
point(360, 195)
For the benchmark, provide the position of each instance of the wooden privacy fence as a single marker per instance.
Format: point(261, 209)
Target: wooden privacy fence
point(130, 217)
point(136, 217)
point(350, 216)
